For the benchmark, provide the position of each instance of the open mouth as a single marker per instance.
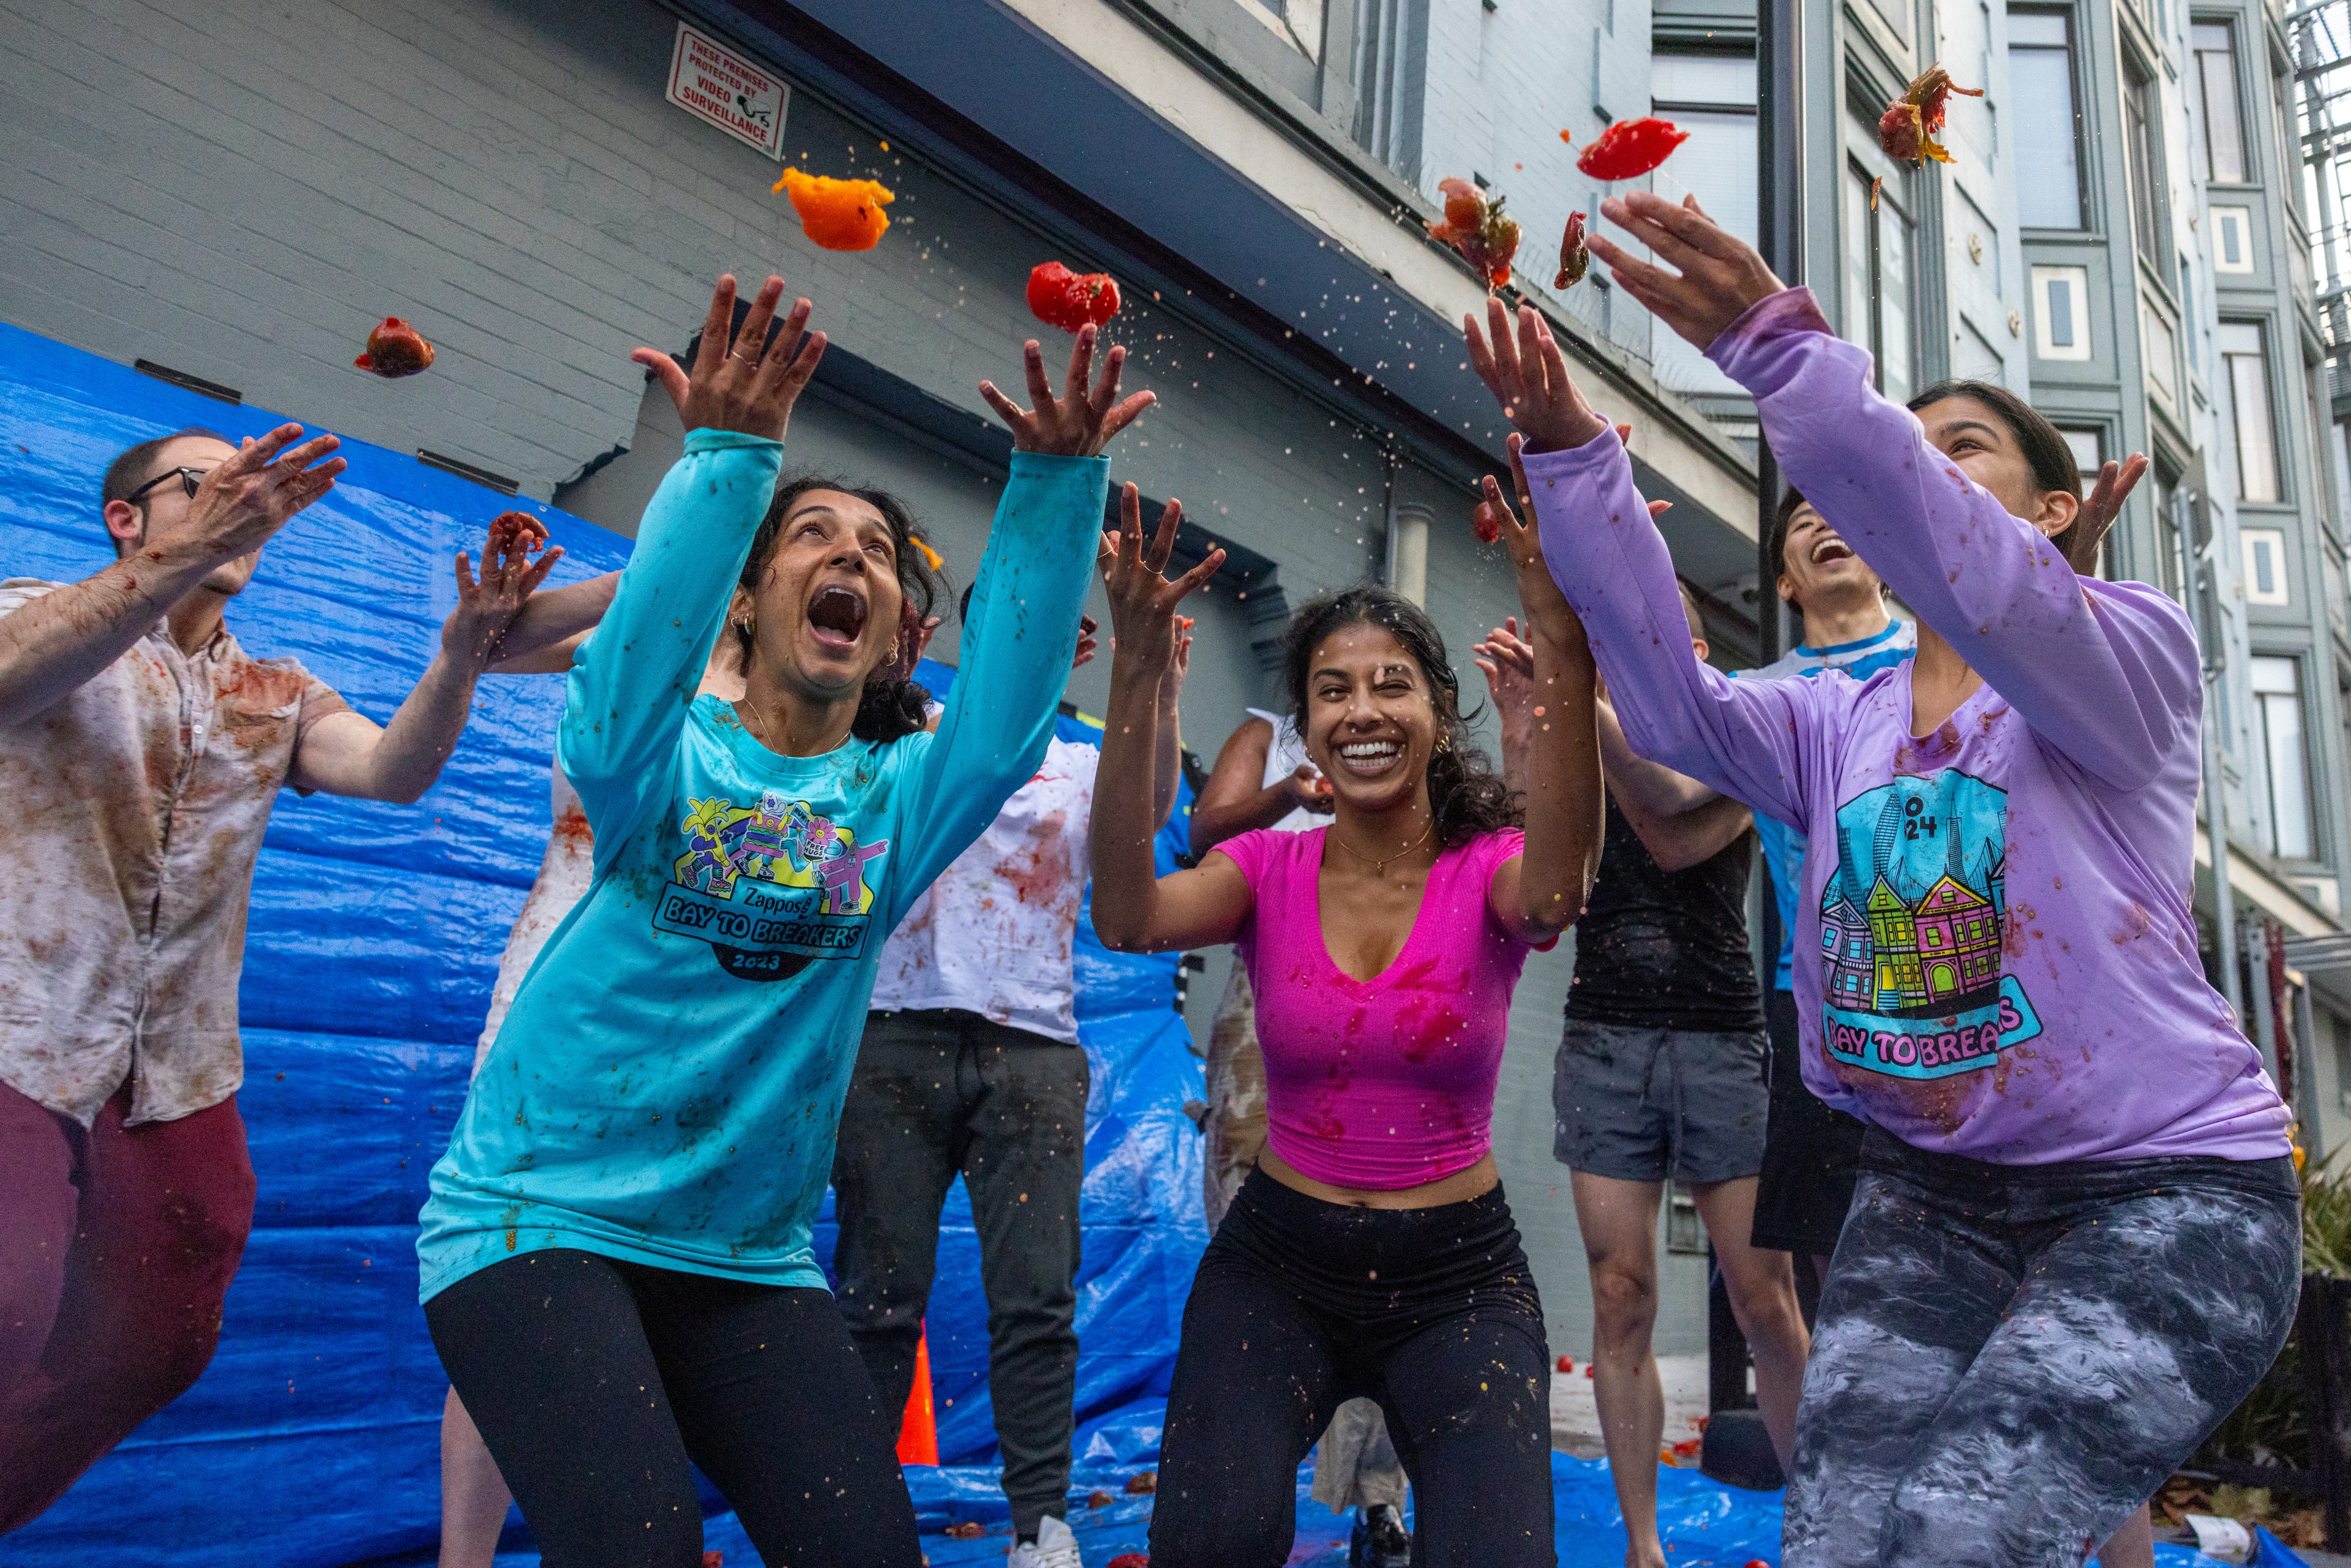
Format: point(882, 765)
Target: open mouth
point(1831, 549)
point(837, 616)
point(1368, 758)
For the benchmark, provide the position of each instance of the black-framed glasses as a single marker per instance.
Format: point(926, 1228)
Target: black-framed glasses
point(189, 479)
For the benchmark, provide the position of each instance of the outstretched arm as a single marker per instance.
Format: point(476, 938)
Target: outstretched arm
point(1746, 738)
point(1136, 911)
point(346, 754)
point(548, 630)
point(2107, 674)
point(55, 642)
point(1540, 893)
point(633, 683)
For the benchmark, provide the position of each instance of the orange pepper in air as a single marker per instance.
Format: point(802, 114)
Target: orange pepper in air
point(839, 215)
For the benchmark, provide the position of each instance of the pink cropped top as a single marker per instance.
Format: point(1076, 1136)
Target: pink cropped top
point(1388, 1082)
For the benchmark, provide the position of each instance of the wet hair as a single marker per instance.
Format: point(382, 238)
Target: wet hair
point(130, 470)
point(1467, 796)
point(892, 706)
point(1690, 610)
point(2045, 453)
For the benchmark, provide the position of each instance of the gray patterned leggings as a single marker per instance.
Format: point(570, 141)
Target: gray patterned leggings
point(2010, 1359)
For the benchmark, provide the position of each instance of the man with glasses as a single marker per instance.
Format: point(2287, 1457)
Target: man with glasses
point(141, 751)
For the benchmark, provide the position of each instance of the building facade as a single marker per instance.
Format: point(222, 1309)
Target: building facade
point(234, 193)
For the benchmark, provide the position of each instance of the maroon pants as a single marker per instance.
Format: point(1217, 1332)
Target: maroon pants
point(117, 1245)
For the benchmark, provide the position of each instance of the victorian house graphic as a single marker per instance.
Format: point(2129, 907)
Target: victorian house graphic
point(1906, 957)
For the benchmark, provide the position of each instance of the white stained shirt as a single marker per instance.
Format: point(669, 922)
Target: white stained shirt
point(1282, 755)
point(994, 935)
point(137, 804)
point(565, 872)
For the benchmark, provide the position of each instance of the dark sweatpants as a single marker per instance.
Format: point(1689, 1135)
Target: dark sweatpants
point(2010, 1359)
point(936, 1092)
point(117, 1246)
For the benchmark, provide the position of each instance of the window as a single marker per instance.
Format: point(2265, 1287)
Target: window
point(2215, 46)
point(2245, 369)
point(1390, 71)
point(1712, 96)
point(2089, 449)
point(2146, 168)
point(2232, 239)
point(2277, 698)
point(2040, 100)
point(2162, 351)
point(2265, 566)
point(2170, 549)
point(1877, 282)
point(2061, 312)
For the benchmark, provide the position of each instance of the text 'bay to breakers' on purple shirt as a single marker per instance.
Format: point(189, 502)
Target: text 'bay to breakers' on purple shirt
point(2001, 954)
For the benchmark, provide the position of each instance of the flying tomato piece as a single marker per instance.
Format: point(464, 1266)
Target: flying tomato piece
point(395, 350)
point(1474, 226)
point(839, 215)
point(1072, 300)
point(1489, 529)
point(510, 531)
point(1574, 254)
point(1630, 148)
point(1907, 130)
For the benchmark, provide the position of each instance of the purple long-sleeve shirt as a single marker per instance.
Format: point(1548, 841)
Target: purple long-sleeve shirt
point(1996, 954)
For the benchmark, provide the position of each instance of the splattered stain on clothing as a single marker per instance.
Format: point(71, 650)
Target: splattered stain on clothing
point(1386, 1082)
point(995, 934)
point(138, 806)
point(666, 1086)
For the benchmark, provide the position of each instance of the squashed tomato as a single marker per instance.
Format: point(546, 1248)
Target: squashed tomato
point(1476, 227)
point(1907, 130)
point(1072, 300)
point(1630, 148)
point(839, 215)
point(395, 350)
point(1574, 254)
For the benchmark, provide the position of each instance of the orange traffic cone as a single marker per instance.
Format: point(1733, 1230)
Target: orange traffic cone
point(918, 1435)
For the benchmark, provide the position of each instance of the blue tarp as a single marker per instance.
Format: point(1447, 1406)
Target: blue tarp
point(374, 939)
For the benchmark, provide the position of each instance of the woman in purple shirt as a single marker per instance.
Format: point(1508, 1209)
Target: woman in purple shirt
point(1371, 1251)
point(2075, 1246)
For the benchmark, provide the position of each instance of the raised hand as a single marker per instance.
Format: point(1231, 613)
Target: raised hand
point(2116, 482)
point(241, 503)
point(1507, 661)
point(1079, 424)
point(740, 381)
point(1179, 660)
point(1142, 599)
point(1529, 378)
point(1087, 642)
point(1721, 276)
point(486, 607)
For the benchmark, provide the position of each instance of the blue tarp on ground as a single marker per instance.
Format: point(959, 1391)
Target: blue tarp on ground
point(374, 938)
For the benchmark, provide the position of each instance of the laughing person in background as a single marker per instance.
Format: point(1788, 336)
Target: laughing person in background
point(141, 749)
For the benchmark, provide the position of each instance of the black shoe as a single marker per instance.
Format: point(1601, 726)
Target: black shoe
point(1379, 1540)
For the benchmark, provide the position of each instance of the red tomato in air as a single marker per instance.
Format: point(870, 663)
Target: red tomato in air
point(1630, 148)
point(1070, 300)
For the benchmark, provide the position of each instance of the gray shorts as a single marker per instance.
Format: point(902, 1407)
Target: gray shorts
point(1643, 1105)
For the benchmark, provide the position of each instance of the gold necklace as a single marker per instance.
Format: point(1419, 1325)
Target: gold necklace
point(751, 709)
point(1379, 867)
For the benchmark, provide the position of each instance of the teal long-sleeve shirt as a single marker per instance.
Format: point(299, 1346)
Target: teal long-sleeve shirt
point(666, 1087)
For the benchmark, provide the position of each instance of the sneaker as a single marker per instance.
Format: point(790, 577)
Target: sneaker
point(1055, 1547)
point(1379, 1539)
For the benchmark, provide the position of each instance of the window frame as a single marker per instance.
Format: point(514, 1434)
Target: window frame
point(2143, 164)
point(2072, 52)
point(2236, 78)
point(2299, 697)
point(2267, 404)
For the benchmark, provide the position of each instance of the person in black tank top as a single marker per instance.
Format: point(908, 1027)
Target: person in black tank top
point(1660, 1074)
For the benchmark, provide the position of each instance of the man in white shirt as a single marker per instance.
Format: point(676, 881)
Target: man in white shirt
point(141, 749)
point(971, 1065)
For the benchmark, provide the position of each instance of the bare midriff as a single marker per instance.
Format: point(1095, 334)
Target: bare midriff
point(1470, 1181)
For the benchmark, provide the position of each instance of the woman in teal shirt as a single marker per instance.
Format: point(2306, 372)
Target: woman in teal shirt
point(615, 1255)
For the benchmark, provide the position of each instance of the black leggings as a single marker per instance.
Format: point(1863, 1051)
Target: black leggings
point(594, 1382)
point(1300, 1305)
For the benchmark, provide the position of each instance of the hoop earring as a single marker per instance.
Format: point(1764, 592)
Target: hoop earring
point(744, 625)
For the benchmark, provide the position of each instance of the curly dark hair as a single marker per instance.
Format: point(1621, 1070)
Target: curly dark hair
point(1467, 796)
point(892, 706)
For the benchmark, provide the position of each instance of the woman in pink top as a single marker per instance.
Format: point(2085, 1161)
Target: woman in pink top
point(1371, 1252)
